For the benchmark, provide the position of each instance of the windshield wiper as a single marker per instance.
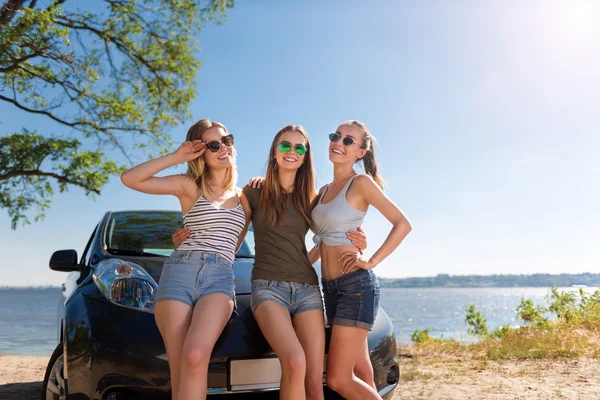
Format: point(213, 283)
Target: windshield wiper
point(129, 252)
point(243, 256)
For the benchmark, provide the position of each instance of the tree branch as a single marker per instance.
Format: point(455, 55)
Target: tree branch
point(17, 62)
point(59, 178)
point(46, 113)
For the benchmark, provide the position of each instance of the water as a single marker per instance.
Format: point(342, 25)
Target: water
point(28, 316)
point(442, 310)
point(28, 321)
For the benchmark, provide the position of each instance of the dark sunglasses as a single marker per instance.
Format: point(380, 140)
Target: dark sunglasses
point(284, 147)
point(348, 141)
point(215, 145)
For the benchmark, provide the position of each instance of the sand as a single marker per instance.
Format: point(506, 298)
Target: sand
point(21, 379)
point(455, 379)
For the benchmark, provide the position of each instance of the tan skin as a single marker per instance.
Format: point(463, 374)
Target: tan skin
point(345, 347)
point(189, 334)
point(299, 342)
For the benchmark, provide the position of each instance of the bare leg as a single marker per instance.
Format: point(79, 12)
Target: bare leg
point(347, 342)
point(363, 368)
point(173, 321)
point(276, 325)
point(310, 328)
point(210, 316)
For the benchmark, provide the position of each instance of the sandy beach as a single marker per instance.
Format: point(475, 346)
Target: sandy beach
point(473, 379)
point(21, 379)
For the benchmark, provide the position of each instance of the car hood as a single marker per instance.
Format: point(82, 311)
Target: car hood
point(242, 270)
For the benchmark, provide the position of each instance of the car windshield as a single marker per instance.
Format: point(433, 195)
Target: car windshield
point(148, 233)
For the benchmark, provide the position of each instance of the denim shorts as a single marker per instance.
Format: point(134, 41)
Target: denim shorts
point(352, 299)
point(189, 275)
point(293, 296)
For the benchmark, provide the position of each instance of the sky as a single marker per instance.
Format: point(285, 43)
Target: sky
point(486, 115)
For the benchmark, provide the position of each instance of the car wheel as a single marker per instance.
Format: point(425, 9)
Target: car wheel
point(55, 385)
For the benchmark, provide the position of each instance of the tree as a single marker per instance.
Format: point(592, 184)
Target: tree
point(113, 78)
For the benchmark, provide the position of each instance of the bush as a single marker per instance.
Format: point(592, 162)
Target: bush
point(574, 332)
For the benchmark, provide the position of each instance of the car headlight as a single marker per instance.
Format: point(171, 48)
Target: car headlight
point(126, 284)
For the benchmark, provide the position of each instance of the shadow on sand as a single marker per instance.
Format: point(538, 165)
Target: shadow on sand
point(21, 391)
point(32, 391)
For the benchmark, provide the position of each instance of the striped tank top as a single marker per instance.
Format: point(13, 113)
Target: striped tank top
point(213, 229)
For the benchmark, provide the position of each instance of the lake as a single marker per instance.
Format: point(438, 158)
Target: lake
point(28, 316)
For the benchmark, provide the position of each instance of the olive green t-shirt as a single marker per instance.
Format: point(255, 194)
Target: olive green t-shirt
point(280, 251)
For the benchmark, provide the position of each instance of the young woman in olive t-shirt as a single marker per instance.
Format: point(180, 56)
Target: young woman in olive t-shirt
point(286, 298)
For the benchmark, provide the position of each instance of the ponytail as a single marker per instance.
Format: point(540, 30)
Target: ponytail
point(369, 161)
point(371, 166)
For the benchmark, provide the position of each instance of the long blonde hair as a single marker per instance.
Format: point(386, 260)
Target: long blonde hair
point(273, 198)
point(198, 169)
point(368, 143)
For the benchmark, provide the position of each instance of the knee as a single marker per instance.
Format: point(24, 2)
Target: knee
point(335, 381)
point(196, 358)
point(294, 365)
point(364, 373)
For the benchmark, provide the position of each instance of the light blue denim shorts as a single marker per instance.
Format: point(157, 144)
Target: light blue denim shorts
point(293, 296)
point(189, 275)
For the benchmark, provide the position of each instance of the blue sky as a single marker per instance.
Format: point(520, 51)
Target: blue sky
point(486, 115)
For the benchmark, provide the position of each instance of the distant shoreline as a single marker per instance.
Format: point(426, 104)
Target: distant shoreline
point(456, 281)
point(30, 287)
point(494, 281)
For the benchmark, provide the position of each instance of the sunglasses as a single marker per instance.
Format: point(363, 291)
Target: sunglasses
point(215, 145)
point(347, 140)
point(284, 147)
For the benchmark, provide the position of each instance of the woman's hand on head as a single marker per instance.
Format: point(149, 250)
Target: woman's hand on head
point(189, 151)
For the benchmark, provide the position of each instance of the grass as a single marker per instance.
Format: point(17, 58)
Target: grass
point(573, 333)
point(412, 373)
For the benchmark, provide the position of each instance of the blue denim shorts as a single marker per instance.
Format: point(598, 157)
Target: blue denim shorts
point(352, 299)
point(189, 275)
point(293, 296)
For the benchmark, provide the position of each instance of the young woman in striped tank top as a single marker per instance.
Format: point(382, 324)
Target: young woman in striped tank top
point(350, 288)
point(195, 296)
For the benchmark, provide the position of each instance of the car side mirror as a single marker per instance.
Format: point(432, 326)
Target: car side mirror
point(65, 261)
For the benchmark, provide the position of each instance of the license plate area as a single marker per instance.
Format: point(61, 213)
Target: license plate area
point(254, 374)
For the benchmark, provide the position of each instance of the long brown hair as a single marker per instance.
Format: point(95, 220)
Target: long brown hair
point(273, 198)
point(198, 169)
point(371, 165)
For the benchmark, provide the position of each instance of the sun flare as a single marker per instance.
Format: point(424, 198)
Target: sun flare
point(576, 22)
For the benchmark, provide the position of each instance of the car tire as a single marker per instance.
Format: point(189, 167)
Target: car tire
point(55, 384)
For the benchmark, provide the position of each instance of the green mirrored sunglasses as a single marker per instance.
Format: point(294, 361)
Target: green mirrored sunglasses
point(284, 147)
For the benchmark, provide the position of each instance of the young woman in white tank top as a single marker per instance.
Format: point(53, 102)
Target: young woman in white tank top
point(195, 296)
point(350, 288)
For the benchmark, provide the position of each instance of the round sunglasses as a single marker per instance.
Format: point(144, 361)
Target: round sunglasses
point(285, 147)
point(347, 140)
point(215, 145)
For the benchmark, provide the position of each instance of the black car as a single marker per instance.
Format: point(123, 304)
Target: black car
point(110, 347)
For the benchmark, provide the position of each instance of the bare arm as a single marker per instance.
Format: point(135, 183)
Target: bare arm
point(248, 212)
point(314, 255)
point(141, 177)
point(373, 195)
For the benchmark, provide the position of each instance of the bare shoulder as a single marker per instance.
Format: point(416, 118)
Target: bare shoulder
point(365, 181)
